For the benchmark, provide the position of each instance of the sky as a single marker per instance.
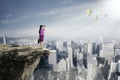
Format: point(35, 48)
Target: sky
point(64, 19)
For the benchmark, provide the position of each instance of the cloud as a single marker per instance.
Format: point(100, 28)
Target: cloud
point(71, 22)
point(113, 8)
point(63, 2)
point(9, 15)
point(9, 21)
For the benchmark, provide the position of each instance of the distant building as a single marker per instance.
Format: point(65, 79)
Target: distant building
point(61, 66)
point(117, 52)
point(107, 51)
point(76, 52)
point(85, 48)
point(118, 77)
point(4, 39)
point(78, 77)
point(67, 44)
point(67, 64)
point(119, 66)
point(53, 60)
point(118, 70)
point(112, 70)
point(90, 48)
point(59, 45)
point(70, 56)
point(80, 59)
point(74, 45)
point(91, 67)
point(50, 45)
point(67, 76)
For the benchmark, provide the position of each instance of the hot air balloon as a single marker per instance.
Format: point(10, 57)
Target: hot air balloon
point(89, 12)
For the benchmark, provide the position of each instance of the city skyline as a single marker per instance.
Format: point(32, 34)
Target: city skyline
point(90, 61)
point(64, 19)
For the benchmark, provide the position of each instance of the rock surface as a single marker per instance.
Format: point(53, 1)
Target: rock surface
point(18, 63)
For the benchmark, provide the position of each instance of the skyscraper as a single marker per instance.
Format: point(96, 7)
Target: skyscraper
point(91, 67)
point(61, 66)
point(67, 44)
point(53, 60)
point(67, 64)
point(4, 39)
point(90, 48)
point(70, 56)
point(59, 45)
point(112, 70)
point(108, 51)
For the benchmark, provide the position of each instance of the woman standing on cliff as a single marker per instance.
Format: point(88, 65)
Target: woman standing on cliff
point(41, 35)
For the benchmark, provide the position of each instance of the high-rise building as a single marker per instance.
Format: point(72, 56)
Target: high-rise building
point(53, 60)
point(85, 48)
point(70, 56)
point(91, 67)
point(94, 48)
point(74, 45)
point(119, 66)
point(76, 52)
point(78, 77)
point(107, 51)
point(112, 69)
point(67, 64)
point(61, 66)
point(98, 49)
point(59, 45)
point(118, 77)
point(117, 52)
point(80, 60)
point(90, 48)
point(4, 39)
point(67, 44)
point(67, 76)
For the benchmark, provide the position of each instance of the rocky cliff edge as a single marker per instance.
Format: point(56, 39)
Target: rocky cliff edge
point(18, 63)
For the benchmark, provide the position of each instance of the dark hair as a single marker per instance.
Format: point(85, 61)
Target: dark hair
point(41, 27)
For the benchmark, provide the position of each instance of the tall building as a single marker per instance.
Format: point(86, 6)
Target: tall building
point(67, 76)
point(74, 45)
point(67, 64)
point(94, 48)
point(67, 44)
point(90, 48)
point(61, 66)
point(112, 70)
point(107, 51)
point(4, 39)
point(91, 67)
point(78, 77)
point(118, 77)
point(59, 45)
point(118, 69)
point(70, 56)
point(98, 49)
point(80, 59)
point(53, 60)
point(85, 48)
point(76, 52)
point(119, 66)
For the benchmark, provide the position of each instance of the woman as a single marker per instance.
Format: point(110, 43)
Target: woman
point(41, 35)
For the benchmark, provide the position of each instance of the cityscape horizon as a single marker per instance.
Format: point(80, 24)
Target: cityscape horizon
point(82, 36)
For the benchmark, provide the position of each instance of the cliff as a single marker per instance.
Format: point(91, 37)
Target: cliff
point(18, 63)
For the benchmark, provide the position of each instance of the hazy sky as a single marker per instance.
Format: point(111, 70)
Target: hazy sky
point(64, 19)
